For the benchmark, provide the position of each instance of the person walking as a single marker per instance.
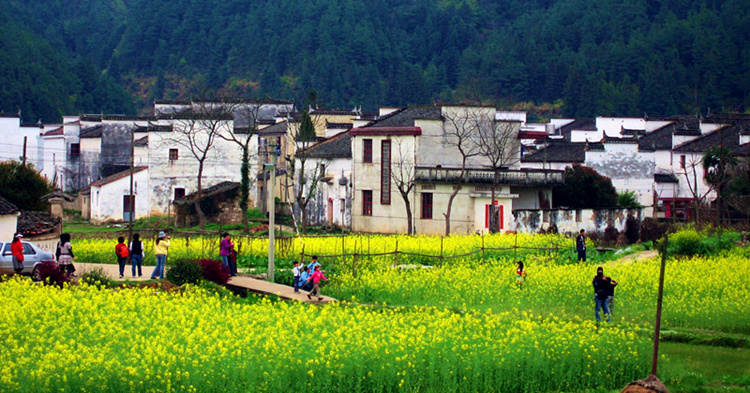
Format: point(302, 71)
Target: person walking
point(64, 254)
point(121, 251)
point(315, 278)
point(296, 272)
point(601, 292)
point(581, 246)
point(16, 250)
point(136, 253)
point(161, 248)
point(225, 251)
point(520, 275)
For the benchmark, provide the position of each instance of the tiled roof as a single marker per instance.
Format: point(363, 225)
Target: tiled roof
point(57, 194)
point(9, 115)
point(340, 146)
point(6, 207)
point(562, 152)
point(206, 192)
point(117, 176)
point(628, 131)
point(665, 178)
point(92, 132)
point(728, 137)
point(141, 142)
point(55, 132)
point(278, 128)
point(659, 139)
point(743, 150)
point(154, 128)
point(405, 117)
point(577, 124)
point(339, 126)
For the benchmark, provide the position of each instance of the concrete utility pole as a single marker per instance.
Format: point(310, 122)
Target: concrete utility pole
point(131, 204)
point(23, 158)
point(270, 185)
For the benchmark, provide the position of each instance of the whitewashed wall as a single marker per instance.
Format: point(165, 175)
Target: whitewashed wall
point(571, 221)
point(8, 223)
point(107, 200)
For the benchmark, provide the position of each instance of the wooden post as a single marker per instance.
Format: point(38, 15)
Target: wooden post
point(483, 260)
point(441, 249)
point(396, 253)
point(657, 327)
point(354, 259)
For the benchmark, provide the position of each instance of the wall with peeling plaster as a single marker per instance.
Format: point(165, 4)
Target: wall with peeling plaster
point(571, 221)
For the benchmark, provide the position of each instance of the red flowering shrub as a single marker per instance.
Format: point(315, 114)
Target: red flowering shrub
point(49, 272)
point(215, 271)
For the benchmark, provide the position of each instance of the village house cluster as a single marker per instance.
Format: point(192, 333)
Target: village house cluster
point(395, 171)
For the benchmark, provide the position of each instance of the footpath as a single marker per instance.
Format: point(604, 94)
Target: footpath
point(248, 283)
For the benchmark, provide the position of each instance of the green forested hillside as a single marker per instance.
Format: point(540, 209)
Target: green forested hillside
point(601, 57)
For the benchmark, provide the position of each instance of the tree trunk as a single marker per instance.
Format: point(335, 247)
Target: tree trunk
point(409, 214)
point(447, 214)
point(245, 186)
point(303, 219)
point(198, 210)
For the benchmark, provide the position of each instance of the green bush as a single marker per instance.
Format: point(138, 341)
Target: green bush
point(96, 276)
point(185, 271)
point(689, 241)
point(686, 242)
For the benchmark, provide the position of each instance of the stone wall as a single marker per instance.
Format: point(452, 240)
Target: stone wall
point(571, 221)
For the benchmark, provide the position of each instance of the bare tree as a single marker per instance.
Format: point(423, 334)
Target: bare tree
point(690, 168)
point(197, 130)
point(243, 136)
point(497, 142)
point(402, 174)
point(459, 130)
point(304, 179)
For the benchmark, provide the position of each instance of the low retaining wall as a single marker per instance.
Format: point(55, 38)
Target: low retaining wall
point(573, 220)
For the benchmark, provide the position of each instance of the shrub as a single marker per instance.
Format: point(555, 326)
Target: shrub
point(632, 229)
point(685, 243)
point(96, 276)
point(652, 230)
point(51, 274)
point(184, 271)
point(610, 235)
point(214, 271)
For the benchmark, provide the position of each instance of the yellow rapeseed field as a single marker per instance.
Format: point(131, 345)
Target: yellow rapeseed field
point(84, 339)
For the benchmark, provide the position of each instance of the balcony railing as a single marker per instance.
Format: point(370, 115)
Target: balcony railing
point(530, 177)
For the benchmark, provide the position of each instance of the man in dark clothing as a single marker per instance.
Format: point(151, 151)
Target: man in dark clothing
point(581, 246)
point(601, 292)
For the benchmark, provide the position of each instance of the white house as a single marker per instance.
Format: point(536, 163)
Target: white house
point(111, 199)
point(413, 153)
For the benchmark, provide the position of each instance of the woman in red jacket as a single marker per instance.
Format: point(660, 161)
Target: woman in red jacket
point(16, 249)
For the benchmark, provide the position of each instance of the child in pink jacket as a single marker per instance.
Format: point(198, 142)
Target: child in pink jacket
point(315, 278)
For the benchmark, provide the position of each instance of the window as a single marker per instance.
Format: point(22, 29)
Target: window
point(367, 202)
point(174, 154)
point(427, 205)
point(367, 152)
point(682, 161)
point(342, 203)
point(179, 193)
point(75, 149)
point(385, 172)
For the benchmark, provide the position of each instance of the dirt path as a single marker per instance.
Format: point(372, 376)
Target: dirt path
point(639, 256)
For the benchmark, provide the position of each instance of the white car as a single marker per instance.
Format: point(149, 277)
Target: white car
point(32, 257)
